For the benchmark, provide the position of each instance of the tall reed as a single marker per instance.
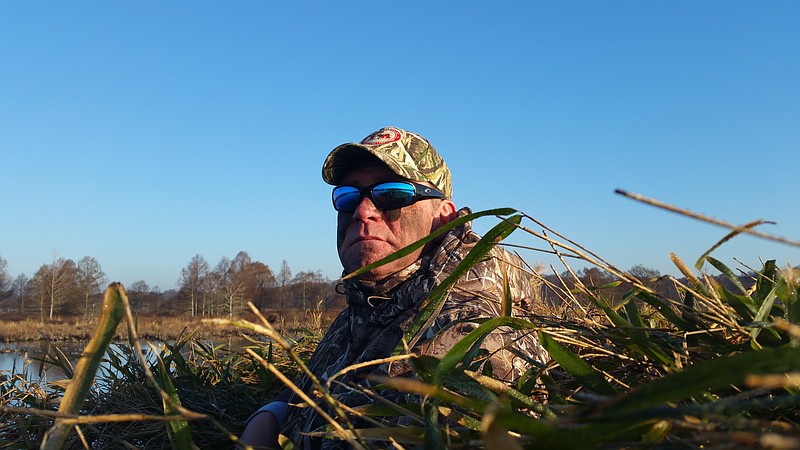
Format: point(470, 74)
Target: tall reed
point(713, 365)
point(710, 362)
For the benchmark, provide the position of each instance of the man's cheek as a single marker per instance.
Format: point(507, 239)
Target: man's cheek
point(392, 215)
point(343, 222)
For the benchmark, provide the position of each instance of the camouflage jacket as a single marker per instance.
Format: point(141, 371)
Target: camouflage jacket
point(378, 315)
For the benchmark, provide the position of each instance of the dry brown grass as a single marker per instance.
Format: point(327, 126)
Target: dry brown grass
point(14, 329)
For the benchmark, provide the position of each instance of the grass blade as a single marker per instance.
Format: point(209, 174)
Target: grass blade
point(110, 316)
point(576, 366)
point(727, 272)
point(462, 347)
point(431, 307)
point(440, 231)
point(180, 435)
point(712, 374)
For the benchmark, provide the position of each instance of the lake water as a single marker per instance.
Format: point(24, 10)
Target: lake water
point(24, 358)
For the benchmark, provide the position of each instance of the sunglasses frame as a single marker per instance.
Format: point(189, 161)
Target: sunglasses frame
point(421, 192)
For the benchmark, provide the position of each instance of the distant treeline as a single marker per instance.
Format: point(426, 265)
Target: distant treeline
point(67, 288)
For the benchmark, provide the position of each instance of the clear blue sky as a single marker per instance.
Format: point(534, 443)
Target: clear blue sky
point(143, 133)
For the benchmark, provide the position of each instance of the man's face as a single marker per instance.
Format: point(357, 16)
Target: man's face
point(369, 234)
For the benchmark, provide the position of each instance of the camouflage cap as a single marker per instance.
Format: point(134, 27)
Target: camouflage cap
point(407, 154)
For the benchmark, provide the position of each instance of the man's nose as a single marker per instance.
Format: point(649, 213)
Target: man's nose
point(366, 209)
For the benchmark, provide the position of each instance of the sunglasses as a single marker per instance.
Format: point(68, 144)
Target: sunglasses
point(385, 196)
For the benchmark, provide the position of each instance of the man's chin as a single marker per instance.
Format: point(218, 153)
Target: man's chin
point(372, 275)
point(356, 266)
point(369, 276)
point(362, 253)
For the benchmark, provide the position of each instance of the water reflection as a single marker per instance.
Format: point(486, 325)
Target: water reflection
point(27, 358)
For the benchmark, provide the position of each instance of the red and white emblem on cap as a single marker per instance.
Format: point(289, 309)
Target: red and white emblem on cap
point(383, 136)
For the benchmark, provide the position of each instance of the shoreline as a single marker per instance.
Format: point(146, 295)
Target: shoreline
point(79, 329)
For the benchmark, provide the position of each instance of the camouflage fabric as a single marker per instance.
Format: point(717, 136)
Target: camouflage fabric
point(408, 154)
point(378, 314)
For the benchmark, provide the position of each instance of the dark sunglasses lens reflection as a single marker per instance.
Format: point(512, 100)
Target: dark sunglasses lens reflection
point(385, 196)
point(393, 195)
point(346, 198)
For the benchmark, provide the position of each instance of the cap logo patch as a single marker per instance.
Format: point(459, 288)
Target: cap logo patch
point(383, 136)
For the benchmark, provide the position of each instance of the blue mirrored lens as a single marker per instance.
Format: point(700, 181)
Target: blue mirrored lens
point(393, 195)
point(385, 196)
point(345, 198)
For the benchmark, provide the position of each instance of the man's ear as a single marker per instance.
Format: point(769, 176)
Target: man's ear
point(447, 213)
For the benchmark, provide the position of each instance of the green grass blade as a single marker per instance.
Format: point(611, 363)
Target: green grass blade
point(476, 336)
point(763, 313)
point(707, 375)
point(431, 307)
point(433, 432)
point(542, 433)
point(788, 293)
point(641, 338)
point(507, 300)
point(742, 304)
point(765, 282)
point(110, 316)
point(666, 311)
point(602, 302)
point(180, 435)
point(517, 397)
point(440, 231)
point(576, 366)
point(459, 381)
point(727, 272)
point(635, 319)
point(634, 332)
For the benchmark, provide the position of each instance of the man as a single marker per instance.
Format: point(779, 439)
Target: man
point(391, 190)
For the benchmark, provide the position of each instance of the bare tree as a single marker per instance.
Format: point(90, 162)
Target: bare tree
point(193, 280)
point(21, 289)
point(137, 292)
point(229, 287)
point(241, 280)
point(54, 283)
point(6, 290)
point(90, 279)
point(310, 286)
point(5, 278)
point(38, 287)
point(644, 273)
point(236, 286)
point(212, 291)
point(259, 280)
point(284, 278)
point(595, 277)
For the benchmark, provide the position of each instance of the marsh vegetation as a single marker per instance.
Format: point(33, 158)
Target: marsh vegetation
point(706, 360)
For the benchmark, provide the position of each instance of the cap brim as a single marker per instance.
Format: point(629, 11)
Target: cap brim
point(344, 157)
